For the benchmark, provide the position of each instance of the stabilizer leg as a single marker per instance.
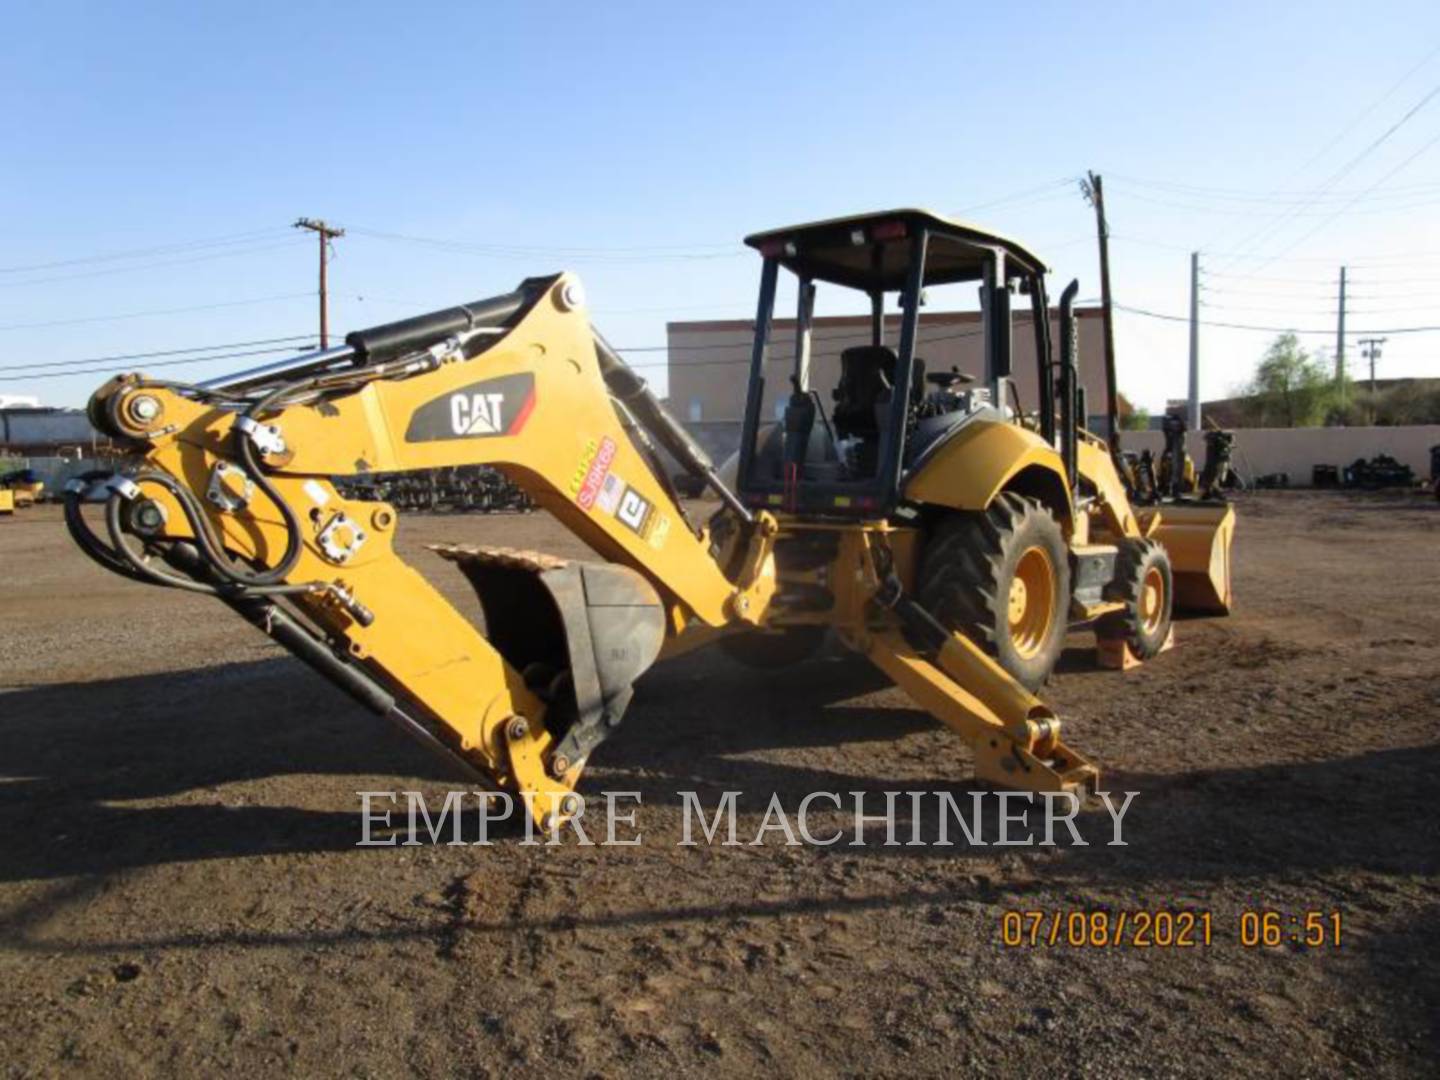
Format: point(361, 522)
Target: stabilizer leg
point(1016, 744)
point(1015, 737)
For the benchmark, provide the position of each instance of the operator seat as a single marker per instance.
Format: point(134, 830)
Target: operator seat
point(865, 381)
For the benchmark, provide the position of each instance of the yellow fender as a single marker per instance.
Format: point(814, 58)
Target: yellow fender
point(985, 458)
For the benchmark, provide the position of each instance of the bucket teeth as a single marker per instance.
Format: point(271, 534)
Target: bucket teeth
point(510, 558)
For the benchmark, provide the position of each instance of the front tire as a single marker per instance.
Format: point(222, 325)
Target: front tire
point(1002, 578)
point(1145, 584)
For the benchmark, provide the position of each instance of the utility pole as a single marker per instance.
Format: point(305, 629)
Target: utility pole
point(326, 233)
point(1094, 191)
point(1340, 342)
point(1370, 349)
point(1194, 418)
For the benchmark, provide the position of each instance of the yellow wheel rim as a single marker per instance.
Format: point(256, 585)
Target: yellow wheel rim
point(1032, 601)
point(1152, 600)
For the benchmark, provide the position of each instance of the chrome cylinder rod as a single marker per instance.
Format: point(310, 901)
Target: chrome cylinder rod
point(292, 366)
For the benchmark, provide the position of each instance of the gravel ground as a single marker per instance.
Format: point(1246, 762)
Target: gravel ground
point(181, 891)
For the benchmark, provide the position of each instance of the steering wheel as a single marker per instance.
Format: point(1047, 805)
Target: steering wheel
point(947, 379)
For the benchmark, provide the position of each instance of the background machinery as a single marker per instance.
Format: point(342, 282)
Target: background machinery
point(23, 486)
point(937, 528)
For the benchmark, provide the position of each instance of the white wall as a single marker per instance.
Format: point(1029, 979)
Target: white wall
point(1297, 450)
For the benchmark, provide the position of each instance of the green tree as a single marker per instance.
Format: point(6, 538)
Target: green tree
point(1290, 388)
point(1137, 419)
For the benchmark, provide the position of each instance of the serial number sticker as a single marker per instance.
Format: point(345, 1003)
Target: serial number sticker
point(660, 531)
point(610, 492)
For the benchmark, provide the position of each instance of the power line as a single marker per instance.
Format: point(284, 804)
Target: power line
point(1051, 192)
point(730, 362)
point(1321, 224)
point(161, 364)
point(1277, 196)
point(158, 311)
point(161, 352)
point(504, 251)
point(859, 335)
point(1349, 310)
point(1429, 294)
point(537, 249)
point(228, 254)
point(1394, 88)
point(1415, 202)
point(1271, 329)
point(1344, 170)
point(1376, 260)
point(649, 253)
point(136, 253)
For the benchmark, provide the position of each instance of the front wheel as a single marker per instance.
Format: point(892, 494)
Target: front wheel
point(1144, 583)
point(1002, 578)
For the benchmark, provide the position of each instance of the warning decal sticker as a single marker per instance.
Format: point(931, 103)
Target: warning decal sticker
point(591, 472)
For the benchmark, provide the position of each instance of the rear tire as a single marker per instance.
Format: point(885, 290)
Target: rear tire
point(1002, 578)
point(1145, 584)
point(769, 649)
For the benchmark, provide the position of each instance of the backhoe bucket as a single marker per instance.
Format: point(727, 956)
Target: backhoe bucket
point(579, 632)
point(1197, 537)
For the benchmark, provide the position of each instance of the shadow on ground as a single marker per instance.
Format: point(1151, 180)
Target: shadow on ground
point(135, 772)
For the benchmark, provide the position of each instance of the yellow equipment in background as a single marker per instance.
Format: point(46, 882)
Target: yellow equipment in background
point(1190, 513)
point(23, 486)
point(951, 540)
point(7, 501)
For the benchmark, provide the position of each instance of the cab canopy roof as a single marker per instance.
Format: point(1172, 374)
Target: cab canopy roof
point(872, 251)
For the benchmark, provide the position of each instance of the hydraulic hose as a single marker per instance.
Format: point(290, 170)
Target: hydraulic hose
point(86, 539)
point(209, 543)
point(141, 568)
point(246, 451)
point(121, 559)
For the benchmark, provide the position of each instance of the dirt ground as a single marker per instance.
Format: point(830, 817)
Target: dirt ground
point(181, 891)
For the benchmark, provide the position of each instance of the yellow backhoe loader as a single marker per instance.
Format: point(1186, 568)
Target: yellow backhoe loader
point(947, 536)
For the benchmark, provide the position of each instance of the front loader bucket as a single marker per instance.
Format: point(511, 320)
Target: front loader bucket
point(1197, 537)
point(579, 632)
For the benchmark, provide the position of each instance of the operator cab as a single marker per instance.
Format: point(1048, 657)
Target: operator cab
point(886, 412)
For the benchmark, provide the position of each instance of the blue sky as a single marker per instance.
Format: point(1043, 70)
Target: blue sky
point(636, 143)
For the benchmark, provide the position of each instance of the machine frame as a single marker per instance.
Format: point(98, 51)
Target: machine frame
point(901, 253)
